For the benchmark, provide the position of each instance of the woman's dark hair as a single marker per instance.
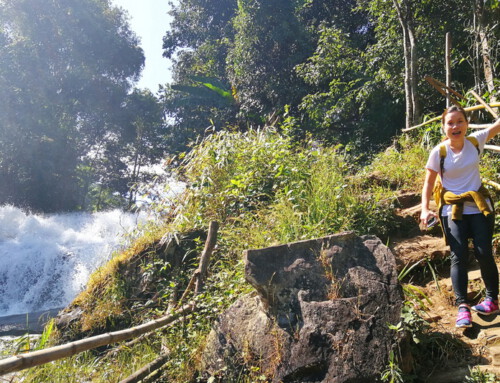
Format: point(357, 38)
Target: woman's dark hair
point(452, 109)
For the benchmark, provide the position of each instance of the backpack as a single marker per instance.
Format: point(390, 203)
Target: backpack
point(438, 186)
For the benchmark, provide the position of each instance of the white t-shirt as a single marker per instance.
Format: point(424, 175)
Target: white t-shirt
point(461, 170)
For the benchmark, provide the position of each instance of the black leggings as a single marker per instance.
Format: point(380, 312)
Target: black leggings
point(480, 229)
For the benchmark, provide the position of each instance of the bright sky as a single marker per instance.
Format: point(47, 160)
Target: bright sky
point(149, 20)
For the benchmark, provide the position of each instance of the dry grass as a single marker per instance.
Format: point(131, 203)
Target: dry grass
point(103, 297)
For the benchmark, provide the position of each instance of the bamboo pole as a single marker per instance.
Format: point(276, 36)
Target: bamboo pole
point(113, 352)
point(36, 358)
point(482, 102)
point(153, 377)
point(422, 124)
point(492, 147)
point(469, 109)
point(444, 90)
point(146, 370)
point(492, 183)
point(479, 126)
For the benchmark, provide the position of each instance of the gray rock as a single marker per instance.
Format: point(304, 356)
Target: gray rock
point(28, 323)
point(320, 314)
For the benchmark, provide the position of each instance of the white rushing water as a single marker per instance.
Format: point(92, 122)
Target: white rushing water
point(46, 260)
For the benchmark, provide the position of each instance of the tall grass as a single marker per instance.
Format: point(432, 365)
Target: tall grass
point(402, 164)
point(262, 182)
point(94, 367)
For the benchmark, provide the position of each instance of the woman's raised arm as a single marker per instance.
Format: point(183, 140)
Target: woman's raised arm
point(494, 129)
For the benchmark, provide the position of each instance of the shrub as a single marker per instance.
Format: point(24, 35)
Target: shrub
point(402, 164)
point(264, 189)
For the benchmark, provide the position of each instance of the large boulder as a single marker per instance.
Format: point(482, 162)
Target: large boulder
point(320, 313)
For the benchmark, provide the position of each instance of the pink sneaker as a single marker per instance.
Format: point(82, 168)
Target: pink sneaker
point(487, 307)
point(464, 319)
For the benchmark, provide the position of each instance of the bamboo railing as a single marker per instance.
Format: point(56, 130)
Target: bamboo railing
point(468, 109)
point(482, 105)
point(36, 358)
point(494, 115)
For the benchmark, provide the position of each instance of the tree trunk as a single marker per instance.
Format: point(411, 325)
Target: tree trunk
point(448, 68)
point(413, 69)
point(488, 68)
point(137, 166)
point(484, 48)
point(408, 91)
point(475, 54)
point(410, 55)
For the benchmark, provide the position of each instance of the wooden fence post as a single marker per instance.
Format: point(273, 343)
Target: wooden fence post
point(200, 273)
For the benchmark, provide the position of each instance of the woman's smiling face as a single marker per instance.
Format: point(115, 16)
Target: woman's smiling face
point(455, 126)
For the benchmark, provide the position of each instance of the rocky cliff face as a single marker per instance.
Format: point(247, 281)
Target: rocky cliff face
point(320, 313)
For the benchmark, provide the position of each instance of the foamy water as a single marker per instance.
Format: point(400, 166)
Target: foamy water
point(45, 261)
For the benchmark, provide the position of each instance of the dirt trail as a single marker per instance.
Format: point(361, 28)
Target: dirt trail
point(482, 341)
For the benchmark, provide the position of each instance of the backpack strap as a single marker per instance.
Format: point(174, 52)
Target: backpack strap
point(442, 152)
point(473, 140)
point(442, 156)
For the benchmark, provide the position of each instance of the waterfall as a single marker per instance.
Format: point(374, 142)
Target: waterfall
point(46, 260)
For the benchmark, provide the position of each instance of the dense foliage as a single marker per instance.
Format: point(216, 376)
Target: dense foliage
point(336, 66)
point(265, 183)
point(74, 134)
point(66, 121)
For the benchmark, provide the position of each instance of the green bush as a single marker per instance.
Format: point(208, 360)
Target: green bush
point(268, 189)
point(231, 173)
point(402, 164)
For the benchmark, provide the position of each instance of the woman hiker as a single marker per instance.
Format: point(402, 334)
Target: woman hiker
point(465, 208)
